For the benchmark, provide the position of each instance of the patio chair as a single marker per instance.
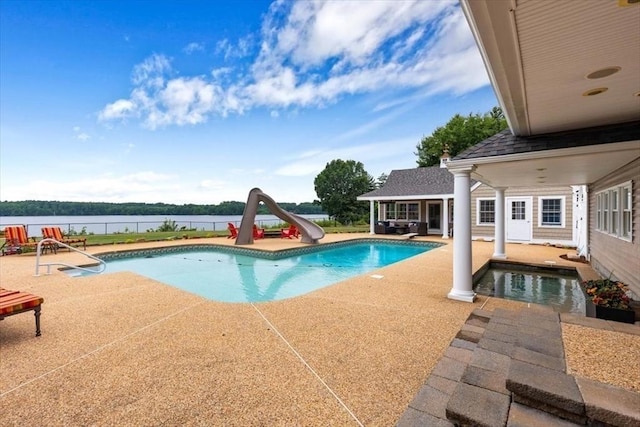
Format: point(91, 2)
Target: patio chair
point(15, 302)
point(16, 239)
point(56, 234)
point(233, 231)
point(258, 233)
point(290, 232)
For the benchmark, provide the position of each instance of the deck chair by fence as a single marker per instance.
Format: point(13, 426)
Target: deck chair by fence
point(16, 240)
point(233, 231)
point(258, 233)
point(15, 302)
point(290, 232)
point(56, 234)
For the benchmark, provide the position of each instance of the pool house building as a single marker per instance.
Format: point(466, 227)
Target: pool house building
point(418, 200)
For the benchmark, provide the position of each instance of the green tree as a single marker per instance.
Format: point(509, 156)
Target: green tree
point(459, 134)
point(339, 185)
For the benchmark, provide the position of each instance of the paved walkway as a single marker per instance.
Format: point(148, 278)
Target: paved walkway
point(508, 368)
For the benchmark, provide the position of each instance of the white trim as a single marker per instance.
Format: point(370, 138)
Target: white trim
point(410, 202)
point(409, 198)
point(528, 214)
point(563, 211)
point(485, 224)
point(604, 214)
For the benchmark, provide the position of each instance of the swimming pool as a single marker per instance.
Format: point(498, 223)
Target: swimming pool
point(556, 288)
point(232, 274)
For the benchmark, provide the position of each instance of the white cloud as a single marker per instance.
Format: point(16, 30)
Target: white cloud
point(151, 71)
point(120, 109)
point(82, 136)
point(312, 53)
point(193, 47)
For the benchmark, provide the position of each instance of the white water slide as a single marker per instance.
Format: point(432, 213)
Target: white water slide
point(310, 231)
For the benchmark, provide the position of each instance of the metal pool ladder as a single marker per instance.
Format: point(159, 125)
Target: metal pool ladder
point(101, 267)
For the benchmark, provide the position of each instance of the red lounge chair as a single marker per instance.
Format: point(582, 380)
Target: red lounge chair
point(56, 234)
point(258, 233)
point(15, 302)
point(232, 230)
point(290, 232)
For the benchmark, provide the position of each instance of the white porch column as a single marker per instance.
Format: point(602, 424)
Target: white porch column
point(445, 218)
point(372, 216)
point(462, 289)
point(499, 251)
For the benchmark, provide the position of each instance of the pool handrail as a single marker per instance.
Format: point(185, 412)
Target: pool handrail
point(102, 265)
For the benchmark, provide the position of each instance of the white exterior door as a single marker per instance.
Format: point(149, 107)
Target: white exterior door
point(519, 211)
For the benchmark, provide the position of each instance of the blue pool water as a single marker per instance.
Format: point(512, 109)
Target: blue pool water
point(235, 276)
point(560, 291)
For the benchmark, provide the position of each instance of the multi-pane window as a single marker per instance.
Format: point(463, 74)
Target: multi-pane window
point(599, 211)
point(615, 211)
point(389, 211)
point(403, 211)
point(551, 211)
point(518, 210)
point(413, 211)
point(614, 214)
point(626, 212)
point(486, 212)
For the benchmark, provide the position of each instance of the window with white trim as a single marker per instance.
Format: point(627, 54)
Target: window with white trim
point(402, 211)
point(389, 211)
point(614, 214)
point(551, 211)
point(626, 211)
point(486, 209)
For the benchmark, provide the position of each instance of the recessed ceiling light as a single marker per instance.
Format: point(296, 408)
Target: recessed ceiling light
point(603, 72)
point(636, 94)
point(596, 91)
point(541, 169)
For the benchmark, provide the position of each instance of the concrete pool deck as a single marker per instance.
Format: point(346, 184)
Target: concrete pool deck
point(121, 349)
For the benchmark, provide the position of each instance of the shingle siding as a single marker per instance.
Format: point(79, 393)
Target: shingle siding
point(611, 255)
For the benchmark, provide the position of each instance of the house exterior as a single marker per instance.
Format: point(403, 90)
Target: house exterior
point(569, 87)
point(425, 196)
point(414, 196)
point(546, 214)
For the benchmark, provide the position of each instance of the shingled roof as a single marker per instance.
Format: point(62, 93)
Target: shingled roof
point(505, 142)
point(418, 182)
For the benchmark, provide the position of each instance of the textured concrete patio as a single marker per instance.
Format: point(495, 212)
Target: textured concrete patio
point(121, 349)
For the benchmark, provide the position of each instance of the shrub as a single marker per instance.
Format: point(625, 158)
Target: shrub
point(608, 293)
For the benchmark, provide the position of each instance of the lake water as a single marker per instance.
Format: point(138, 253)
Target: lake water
point(109, 224)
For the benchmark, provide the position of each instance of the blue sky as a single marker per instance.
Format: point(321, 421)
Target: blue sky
point(200, 101)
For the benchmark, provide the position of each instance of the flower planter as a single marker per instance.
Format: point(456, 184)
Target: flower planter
point(608, 313)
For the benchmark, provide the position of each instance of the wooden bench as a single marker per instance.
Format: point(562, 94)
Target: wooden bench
point(15, 302)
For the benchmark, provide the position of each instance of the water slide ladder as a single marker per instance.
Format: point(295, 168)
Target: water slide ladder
point(101, 264)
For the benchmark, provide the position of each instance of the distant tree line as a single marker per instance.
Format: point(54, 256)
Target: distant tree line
point(51, 208)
